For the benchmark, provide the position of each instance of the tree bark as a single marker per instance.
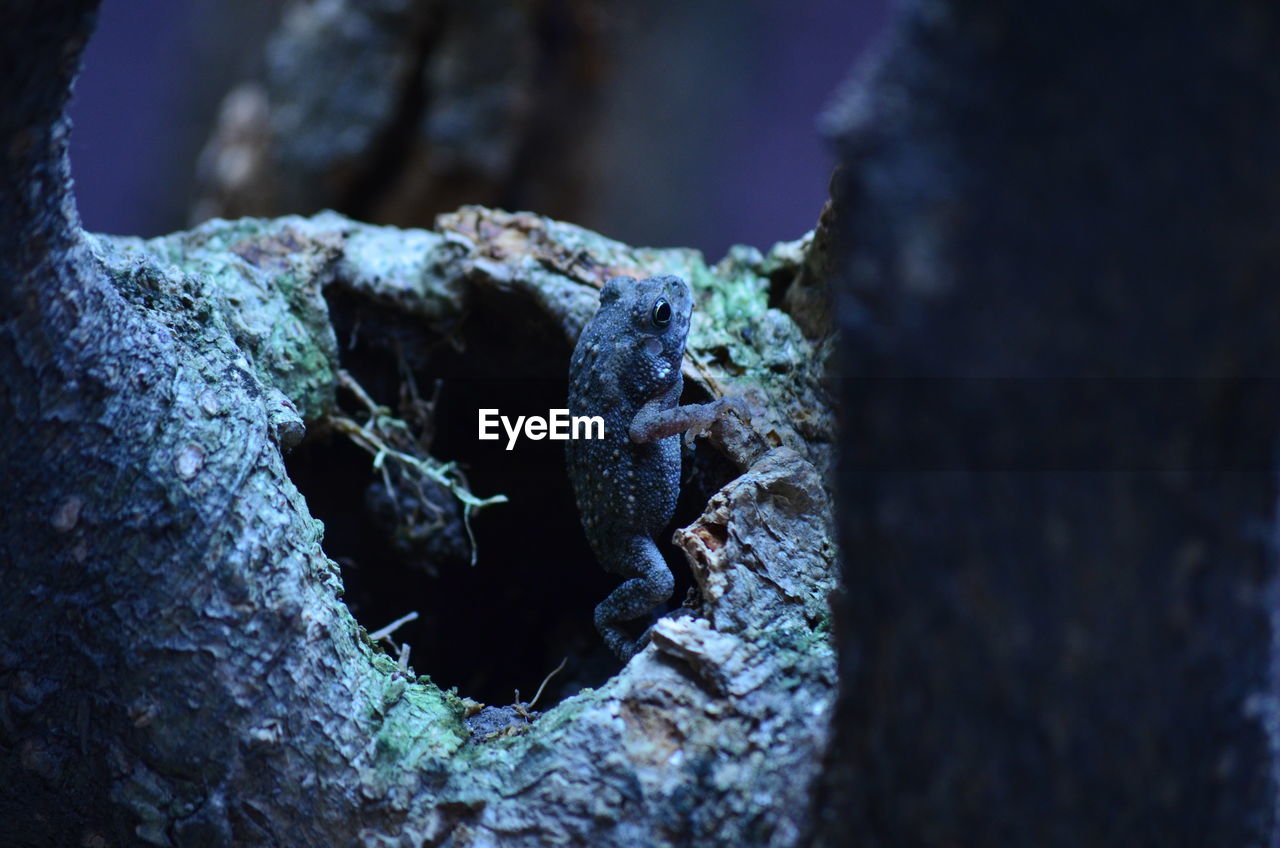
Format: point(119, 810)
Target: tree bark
point(1054, 239)
point(178, 665)
point(1058, 261)
point(398, 110)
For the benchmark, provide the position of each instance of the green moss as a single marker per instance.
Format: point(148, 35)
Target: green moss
point(420, 723)
point(251, 284)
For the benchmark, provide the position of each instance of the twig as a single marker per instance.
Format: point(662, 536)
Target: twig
point(523, 709)
point(369, 437)
point(547, 680)
point(393, 626)
point(349, 383)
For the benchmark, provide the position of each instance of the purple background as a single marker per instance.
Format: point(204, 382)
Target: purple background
point(710, 134)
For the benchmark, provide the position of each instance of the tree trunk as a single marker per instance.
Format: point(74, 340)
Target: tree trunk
point(396, 111)
point(1053, 235)
point(178, 664)
point(1059, 264)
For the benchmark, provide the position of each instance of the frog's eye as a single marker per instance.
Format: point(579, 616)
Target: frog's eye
point(661, 313)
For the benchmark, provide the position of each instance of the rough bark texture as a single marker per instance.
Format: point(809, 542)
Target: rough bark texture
point(1055, 232)
point(176, 662)
point(396, 110)
point(1059, 254)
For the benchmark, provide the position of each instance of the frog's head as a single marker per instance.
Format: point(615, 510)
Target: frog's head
point(655, 312)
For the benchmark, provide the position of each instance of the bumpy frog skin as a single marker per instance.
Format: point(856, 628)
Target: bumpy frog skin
point(626, 369)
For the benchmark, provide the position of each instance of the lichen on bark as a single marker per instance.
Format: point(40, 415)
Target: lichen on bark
point(177, 663)
point(307, 729)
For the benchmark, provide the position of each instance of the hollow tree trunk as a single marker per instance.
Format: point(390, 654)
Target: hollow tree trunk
point(178, 666)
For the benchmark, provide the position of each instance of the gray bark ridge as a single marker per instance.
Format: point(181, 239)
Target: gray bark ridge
point(194, 672)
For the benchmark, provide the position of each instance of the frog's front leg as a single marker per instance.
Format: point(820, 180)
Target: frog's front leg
point(654, 421)
point(648, 584)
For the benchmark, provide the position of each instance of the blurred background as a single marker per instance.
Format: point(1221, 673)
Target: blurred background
point(689, 123)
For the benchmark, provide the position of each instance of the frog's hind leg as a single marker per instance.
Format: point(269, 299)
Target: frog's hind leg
point(650, 585)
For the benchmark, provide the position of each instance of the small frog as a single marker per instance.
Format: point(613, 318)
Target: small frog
point(626, 369)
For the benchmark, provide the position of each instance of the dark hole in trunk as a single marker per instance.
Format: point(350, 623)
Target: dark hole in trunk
point(506, 622)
